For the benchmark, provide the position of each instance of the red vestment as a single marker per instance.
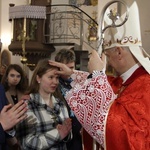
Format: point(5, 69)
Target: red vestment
point(128, 122)
point(121, 123)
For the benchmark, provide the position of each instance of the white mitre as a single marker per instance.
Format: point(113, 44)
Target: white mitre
point(129, 34)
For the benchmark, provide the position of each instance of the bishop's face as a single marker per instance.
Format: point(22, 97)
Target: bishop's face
point(112, 58)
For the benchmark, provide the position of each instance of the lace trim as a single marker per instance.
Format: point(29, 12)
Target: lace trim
point(27, 11)
point(78, 77)
point(90, 102)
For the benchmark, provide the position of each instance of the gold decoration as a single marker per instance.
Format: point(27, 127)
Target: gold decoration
point(124, 41)
point(92, 28)
point(94, 2)
point(23, 38)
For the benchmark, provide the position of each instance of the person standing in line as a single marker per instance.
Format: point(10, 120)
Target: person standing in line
point(9, 117)
point(68, 57)
point(115, 113)
point(48, 125)
point(14, 82)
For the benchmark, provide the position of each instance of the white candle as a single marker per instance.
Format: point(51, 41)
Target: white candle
point(24, 27)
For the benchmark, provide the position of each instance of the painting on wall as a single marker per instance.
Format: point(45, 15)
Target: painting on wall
point(5, 58)
point(83, 2)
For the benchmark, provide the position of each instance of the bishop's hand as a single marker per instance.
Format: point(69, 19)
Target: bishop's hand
point(96, 62)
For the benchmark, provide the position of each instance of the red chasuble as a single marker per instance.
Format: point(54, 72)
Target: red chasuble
point(128, 122)
point(117, 123)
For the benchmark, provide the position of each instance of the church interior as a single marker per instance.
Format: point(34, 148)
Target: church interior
point(34, 29)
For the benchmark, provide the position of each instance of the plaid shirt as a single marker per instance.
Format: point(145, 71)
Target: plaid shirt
point(38, 131)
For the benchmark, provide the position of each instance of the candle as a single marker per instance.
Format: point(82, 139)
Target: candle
point(24, 27)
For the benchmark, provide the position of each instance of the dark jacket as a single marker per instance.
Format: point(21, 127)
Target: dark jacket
point(3, 102)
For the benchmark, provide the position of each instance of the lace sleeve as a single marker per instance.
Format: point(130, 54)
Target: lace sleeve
point(90, 102)
point(78, 77)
